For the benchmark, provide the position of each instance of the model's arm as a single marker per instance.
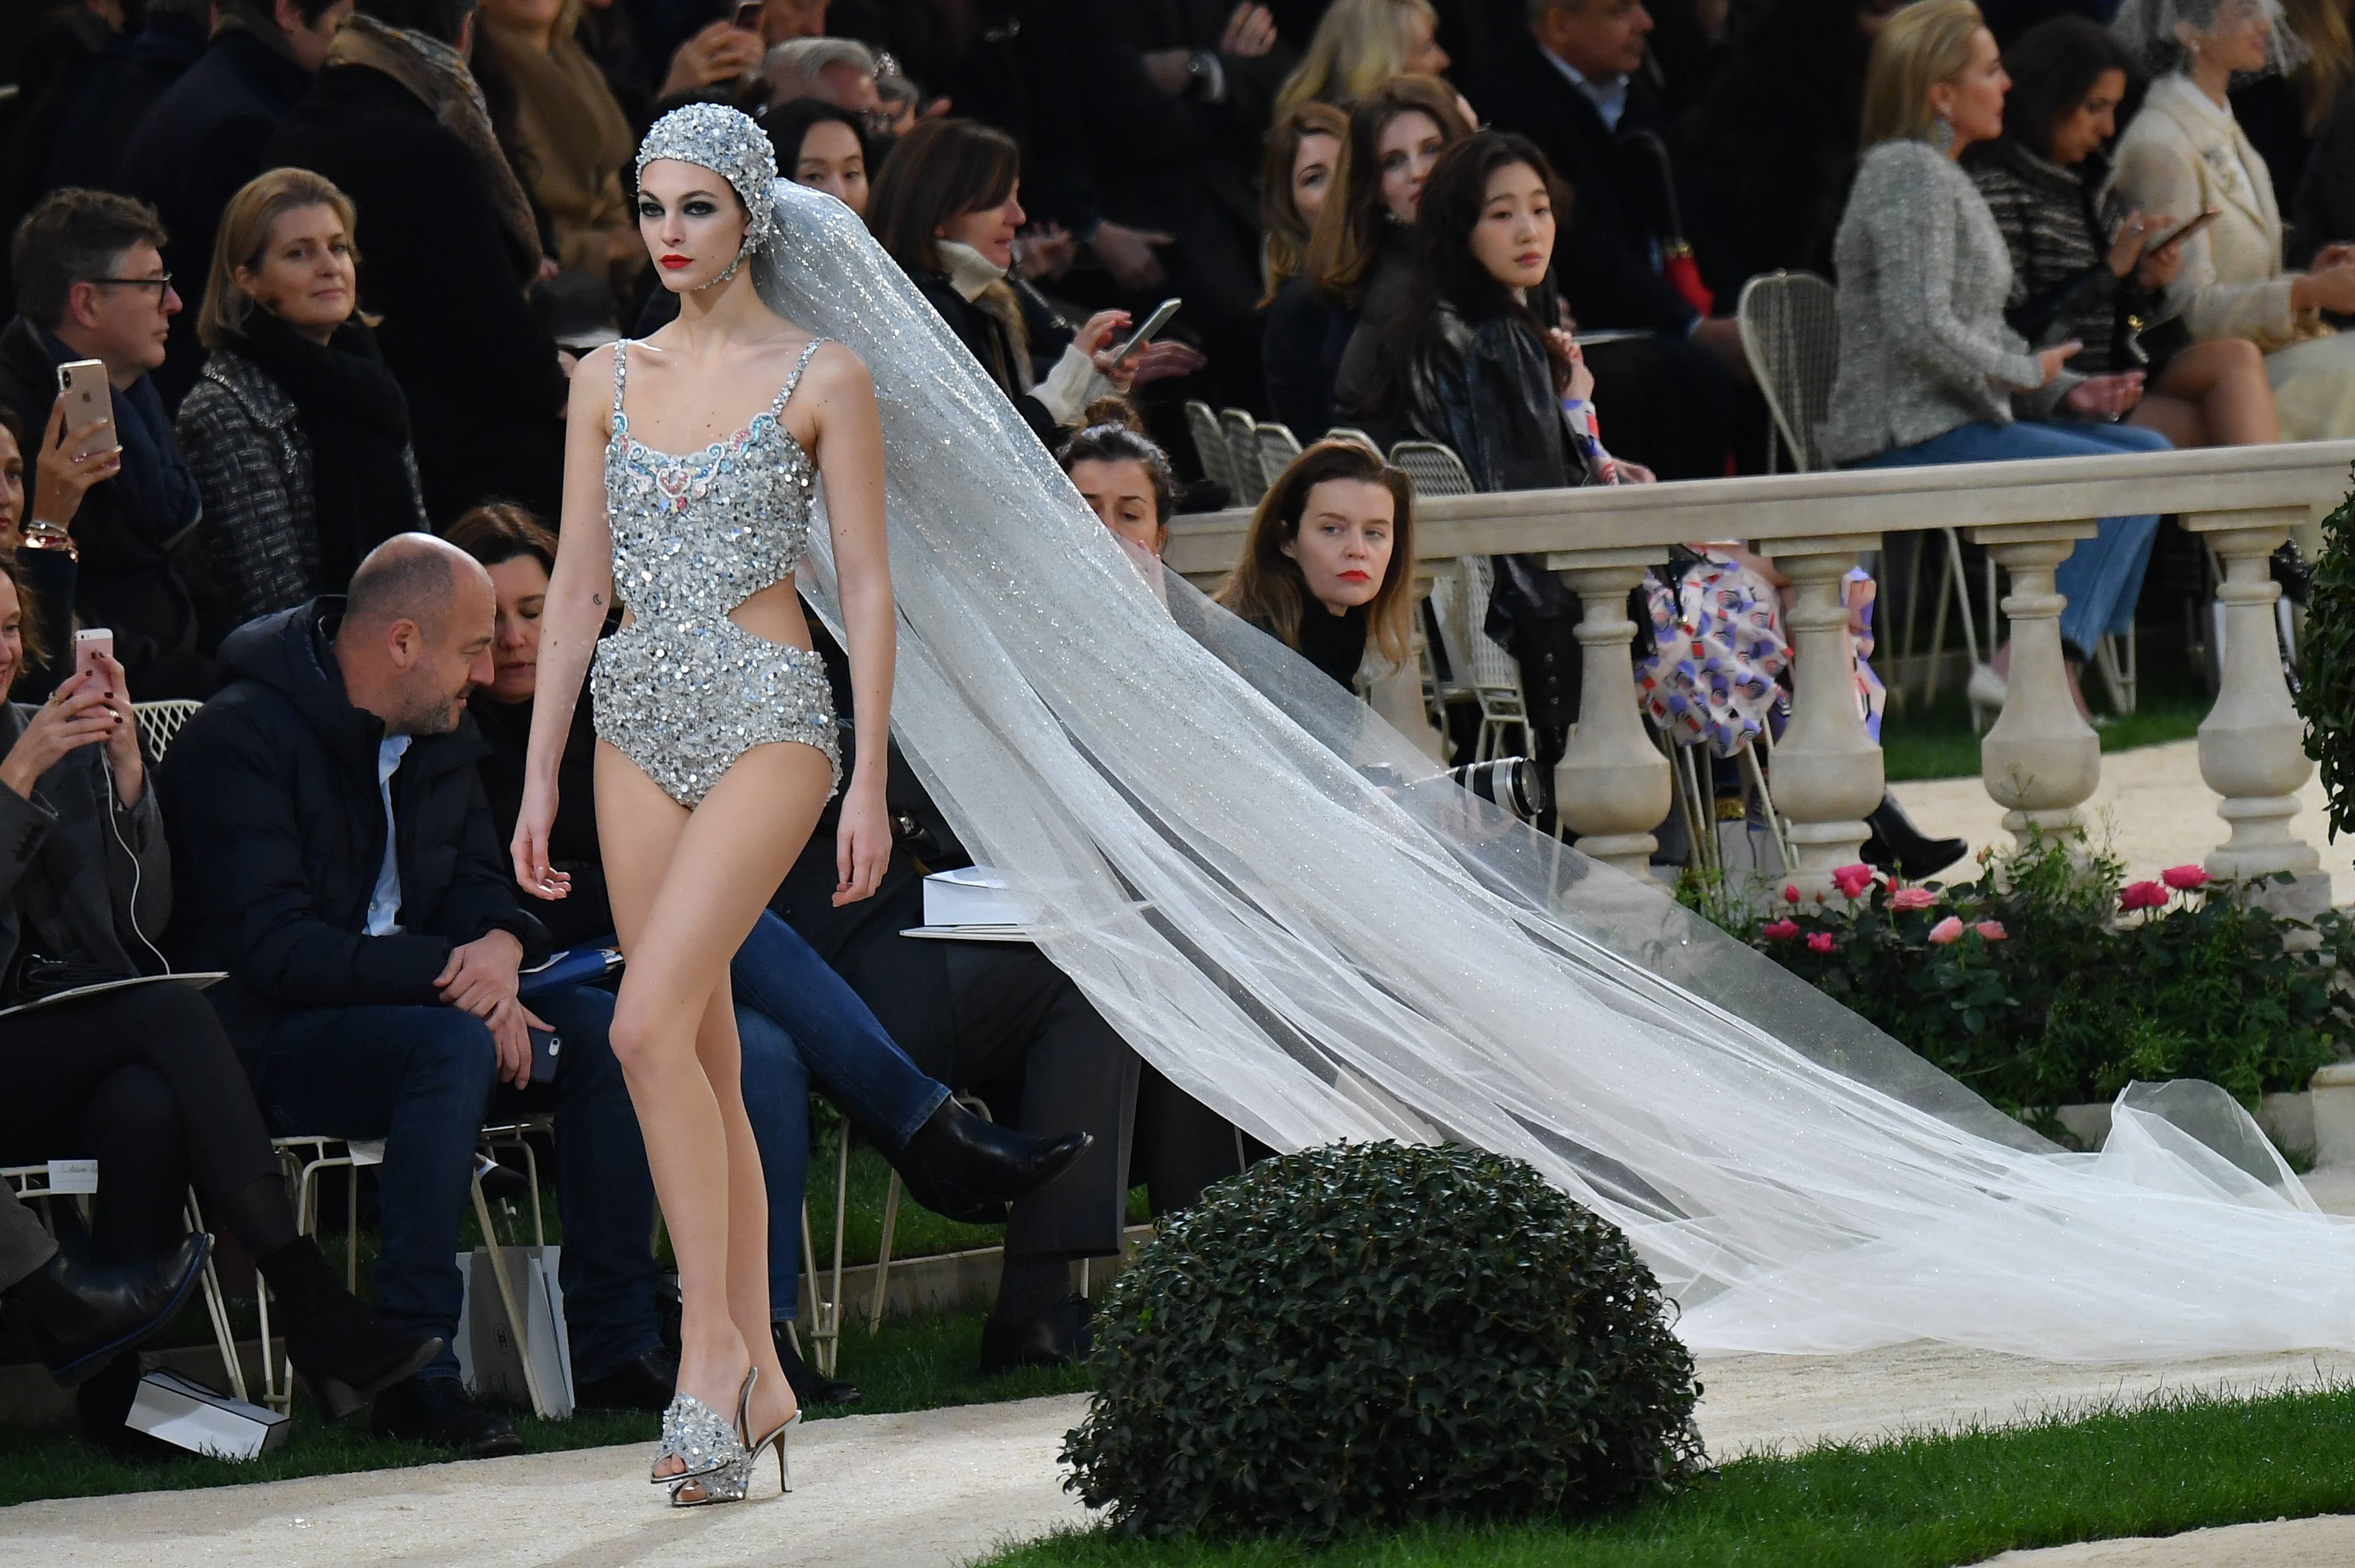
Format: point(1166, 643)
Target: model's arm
point(850, 459)
point(580, 591)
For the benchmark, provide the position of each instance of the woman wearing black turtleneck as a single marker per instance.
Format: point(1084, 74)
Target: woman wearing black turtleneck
point(296, 432)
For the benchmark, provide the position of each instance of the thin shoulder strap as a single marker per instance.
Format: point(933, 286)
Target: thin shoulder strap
point(620, 369)
point(778, 407)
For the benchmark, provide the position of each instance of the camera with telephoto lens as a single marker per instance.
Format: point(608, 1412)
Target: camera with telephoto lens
point(1510, 782)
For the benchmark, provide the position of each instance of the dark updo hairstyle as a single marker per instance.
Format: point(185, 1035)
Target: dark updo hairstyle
point(499, 530)
point(940, 170)
point(1119, 443)
point(1266, 587)
point(1348, 230)
point(2052, 67)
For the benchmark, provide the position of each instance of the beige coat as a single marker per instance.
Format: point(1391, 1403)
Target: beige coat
point(2177, 158)
point(576, 142)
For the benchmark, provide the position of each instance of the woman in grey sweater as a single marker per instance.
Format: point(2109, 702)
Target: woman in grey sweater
point(1929, 371)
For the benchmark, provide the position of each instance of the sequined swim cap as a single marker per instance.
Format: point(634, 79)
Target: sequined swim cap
point(730, 145)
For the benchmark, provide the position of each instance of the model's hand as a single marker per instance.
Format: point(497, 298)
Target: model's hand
point(122, 745)
point(862, 844)
point(76, 715)
point(511, 1025)
point(534, 822)
point(63, 475)
point(481, 974)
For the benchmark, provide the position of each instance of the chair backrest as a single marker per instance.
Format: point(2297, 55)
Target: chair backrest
point(1447, 614)
point(1243, 455)
point(1210, 446)
point(1436, 469)
point(1277, 447)
point(1351, 433)
point(160, 721)
point(1478, 661)
point(1790, 333)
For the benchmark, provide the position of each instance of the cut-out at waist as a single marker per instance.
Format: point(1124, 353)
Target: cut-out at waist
point(773, 616)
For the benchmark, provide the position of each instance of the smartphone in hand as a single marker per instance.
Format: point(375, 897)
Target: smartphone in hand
point(89, 399)
point(93, 643)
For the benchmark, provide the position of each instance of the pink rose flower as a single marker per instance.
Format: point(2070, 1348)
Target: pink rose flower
point(1853, 881)
point(1990, 930)
point(1790, 895)
point(1949, 929)
point(2141, 895)
point(1821, 942)
point(1913, 898)
point(1780, 930)
point(2183, 878)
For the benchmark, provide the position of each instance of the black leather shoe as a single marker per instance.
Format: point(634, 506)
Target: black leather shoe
point(1057, 1336)
point(811, 1387)
point(436, 1410)
point(966, 1168)
point(83, 1317)
point(646, 1384)
point(1898, 846)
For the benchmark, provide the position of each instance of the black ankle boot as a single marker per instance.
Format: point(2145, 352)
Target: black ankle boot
point(1899, 847)
point(963, 1167)
point(339, 1349)
point(81, 1317)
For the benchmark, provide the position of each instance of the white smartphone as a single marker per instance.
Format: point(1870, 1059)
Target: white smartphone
point(90, 644)
point(83, 384)
point(1150, 330)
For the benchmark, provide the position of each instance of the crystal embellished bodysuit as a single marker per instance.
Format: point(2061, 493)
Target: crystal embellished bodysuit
point(682, 691)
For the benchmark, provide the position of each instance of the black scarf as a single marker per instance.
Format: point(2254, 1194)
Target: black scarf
point(358, 421)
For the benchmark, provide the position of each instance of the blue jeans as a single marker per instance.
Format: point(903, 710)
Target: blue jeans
point(425, 1079)
point(801, 1021)
point(2102, 578)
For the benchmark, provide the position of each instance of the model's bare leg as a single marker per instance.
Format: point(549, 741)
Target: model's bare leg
point(686, 889)
point(2225, 379)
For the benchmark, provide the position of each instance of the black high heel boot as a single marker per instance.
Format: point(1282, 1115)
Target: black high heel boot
point(339, 1349)
point(966, 1168)
point(1899, 847)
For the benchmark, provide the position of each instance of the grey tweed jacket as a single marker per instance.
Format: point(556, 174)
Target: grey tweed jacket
point(1923, 278)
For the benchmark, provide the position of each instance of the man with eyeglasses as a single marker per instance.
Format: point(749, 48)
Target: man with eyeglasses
point(90, 284)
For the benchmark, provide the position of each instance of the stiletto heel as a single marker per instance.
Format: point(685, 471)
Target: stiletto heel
point(777, 1438)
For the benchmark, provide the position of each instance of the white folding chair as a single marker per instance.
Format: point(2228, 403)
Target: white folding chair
point(1350, 433)
point(1277, 447)
point(1243, 455)
point(1210, 446)
point(159, 721)
point(1436, 469)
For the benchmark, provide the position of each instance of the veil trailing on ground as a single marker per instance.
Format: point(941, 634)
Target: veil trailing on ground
point(1282, 906)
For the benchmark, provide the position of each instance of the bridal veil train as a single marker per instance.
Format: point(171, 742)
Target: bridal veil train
point(1279, 904)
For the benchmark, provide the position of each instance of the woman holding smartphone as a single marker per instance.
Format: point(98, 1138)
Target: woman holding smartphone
point(65, 471)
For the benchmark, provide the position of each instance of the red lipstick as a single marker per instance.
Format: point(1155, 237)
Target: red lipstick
point(675, 262)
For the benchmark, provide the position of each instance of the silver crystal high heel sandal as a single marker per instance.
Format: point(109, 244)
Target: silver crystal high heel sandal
point(713, 1451)
point(777, 1439)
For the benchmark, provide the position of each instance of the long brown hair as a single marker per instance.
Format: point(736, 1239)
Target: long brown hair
point(244, 238)
point(1347, 234)
point(940, 170)
point(28, 616)
point(1287, 231)
point(1266, 587)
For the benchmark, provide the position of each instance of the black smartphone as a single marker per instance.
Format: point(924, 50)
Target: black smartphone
point(546, 1044)
point(2183, 233)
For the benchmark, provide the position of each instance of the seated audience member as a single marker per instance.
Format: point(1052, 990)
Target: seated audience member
point(947, 207)
point(142, 1078)
point(395, 121)
point(573, 142)
point(1929, 370)
point(1305, 336)
point(131, 75)
point(90, 284)
point(2080, 273)
point(719, 54)
point(1359, 45)
point(798, 1021)
point(1360, 247)
point(2184, 154)
point(204, 138)
point(46, 551)
point(339, 860)
point(81, 1316)
point(1327, 566)
point(296, 432)
point(840, 71)
point(1573, 84)
point(1125, 480)
point(822, 147)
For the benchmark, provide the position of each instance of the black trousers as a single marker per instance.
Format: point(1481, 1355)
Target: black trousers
point(145, 1082)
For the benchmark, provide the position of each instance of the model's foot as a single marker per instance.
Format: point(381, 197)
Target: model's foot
point(718, 1382)
point(1055, 1336)
point(813, 1388)
point(964, 1168)
point(436, 1410)
point(646, 1384)
point(81, 1317)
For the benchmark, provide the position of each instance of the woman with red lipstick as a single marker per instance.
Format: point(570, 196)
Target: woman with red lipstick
point(296, 432)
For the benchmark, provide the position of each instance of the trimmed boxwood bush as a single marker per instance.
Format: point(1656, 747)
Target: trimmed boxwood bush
point(1363, 1336)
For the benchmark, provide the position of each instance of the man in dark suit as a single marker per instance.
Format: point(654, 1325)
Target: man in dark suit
point(1574, 83)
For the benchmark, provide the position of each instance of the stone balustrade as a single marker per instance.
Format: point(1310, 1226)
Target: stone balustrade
point(2040, 760)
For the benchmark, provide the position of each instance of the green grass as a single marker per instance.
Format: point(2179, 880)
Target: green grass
point(2173, 1463)
point(916, 1364)
point(1939, 742)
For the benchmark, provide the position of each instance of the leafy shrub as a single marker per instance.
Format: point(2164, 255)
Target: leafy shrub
point(2326, 687)
point(1364, 1336)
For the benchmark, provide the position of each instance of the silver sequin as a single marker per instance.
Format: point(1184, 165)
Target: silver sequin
point(683, 691)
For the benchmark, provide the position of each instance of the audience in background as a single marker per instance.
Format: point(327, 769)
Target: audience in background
point(719, 54)
point(131, 75)
point(204, 138)
point(2185, 154)
point(573, 140)
point(1125, 480)
point(1359, 45)
point(91, 284)
point(1305, 336)
point(824, 148)
point(297, 434)
point(339, 859)
point(395, 121)
point(46, 552)
point(1327, 565)
point(2085, 270)
point(840, 71)
point(2281, 109)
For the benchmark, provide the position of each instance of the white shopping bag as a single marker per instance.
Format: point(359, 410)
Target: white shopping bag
point(490, 1359)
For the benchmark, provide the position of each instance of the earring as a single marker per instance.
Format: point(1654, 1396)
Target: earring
point(741, 251)
point(1941, 133)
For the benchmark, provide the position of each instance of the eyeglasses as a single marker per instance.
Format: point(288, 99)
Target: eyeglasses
point(159, 284)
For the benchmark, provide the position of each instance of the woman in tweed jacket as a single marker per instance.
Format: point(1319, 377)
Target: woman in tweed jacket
point(296, 433)
point(2078, 267)
point(1928, 367)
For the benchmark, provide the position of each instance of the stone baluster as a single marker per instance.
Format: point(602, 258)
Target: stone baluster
point(1827, 773)
point(1612, 786)
point(2251, 750)
point(2040, 760)
point(1397, 694)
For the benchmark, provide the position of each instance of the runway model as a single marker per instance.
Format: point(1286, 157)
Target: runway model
point(687, 490)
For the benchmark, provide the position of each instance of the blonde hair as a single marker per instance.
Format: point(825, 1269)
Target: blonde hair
point(244, 237)
point(2321, 27)
point(1923, 44)
point(1279, 215)
point(1357, 44)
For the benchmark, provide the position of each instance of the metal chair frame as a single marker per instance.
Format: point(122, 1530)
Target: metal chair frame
point(1277, 449)
point(1211, 447)
point(1242, 432)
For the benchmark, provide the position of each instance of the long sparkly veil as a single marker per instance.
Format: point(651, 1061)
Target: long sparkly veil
point(1274, 899)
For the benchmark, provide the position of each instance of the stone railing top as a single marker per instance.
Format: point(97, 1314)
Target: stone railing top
point(1862, 502)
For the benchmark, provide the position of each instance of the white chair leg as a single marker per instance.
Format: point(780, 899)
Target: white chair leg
point(539, 1403)
point(217, 1310)
point(883, 1255)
